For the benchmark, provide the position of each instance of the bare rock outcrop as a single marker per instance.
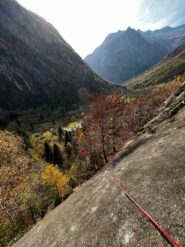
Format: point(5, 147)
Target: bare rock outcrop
point(98, 215)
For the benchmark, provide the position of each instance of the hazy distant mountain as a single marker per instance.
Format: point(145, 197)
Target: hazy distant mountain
point(173, 65)
point(125, 54)
point(36, 65)
point(170, 38)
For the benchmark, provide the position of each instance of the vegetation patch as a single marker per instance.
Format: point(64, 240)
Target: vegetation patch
point(40, 169)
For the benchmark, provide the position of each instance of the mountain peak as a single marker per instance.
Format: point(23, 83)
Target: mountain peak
point(132, 33)
point(125, 54)
point(130, 29)
point(166, 28)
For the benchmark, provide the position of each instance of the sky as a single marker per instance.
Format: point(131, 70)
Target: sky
point(84, 24)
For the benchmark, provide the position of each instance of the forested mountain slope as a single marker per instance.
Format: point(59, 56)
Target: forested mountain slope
point(37, 66)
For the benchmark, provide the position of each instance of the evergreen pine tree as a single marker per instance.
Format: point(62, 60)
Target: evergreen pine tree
point(67, 137)
point(60, 134)
point(57, 156)
point(48, 152)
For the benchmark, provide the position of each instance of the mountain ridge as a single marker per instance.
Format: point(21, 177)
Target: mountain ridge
point(121, 57)
point(37, 65)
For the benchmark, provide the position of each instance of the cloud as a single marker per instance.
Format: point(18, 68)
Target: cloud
point(163, 11)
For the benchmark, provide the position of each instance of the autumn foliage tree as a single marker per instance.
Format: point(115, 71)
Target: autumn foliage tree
point(104, 123)
point(69, 148)
point(115, 109)
point(114, 118)
point(81, 137)
point(96, 126)
point(27, 189)
point(54, 177)
point(17, 209)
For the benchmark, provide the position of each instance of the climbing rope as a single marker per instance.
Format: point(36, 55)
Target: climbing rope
point(165, 234)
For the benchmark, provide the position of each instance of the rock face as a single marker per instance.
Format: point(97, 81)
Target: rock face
point(126, 54)
point(99, 215)
point(37, 66)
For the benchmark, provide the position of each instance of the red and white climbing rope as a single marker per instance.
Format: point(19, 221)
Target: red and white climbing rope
point(157, 226)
